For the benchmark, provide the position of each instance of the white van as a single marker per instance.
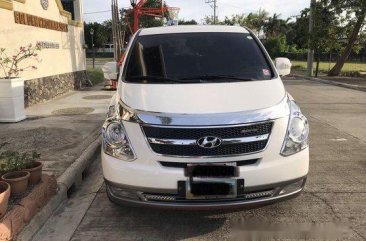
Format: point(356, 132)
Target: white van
point(201, 119)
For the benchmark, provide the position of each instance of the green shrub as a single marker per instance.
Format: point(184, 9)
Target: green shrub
point(96, 75)
point(11, 161)
point(276, 46)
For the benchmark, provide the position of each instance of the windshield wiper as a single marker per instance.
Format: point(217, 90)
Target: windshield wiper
point(156, 79)
point(217, 78)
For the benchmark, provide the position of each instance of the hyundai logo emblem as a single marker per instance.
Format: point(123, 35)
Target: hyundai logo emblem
point(209, 142)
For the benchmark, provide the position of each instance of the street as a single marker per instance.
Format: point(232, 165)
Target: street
point(97, 63)
point(335, 191)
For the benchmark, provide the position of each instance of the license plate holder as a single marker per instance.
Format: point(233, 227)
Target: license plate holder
point(214, 170)
point(211, 189)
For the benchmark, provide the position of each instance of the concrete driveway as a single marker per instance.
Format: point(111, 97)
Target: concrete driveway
point(333, 205)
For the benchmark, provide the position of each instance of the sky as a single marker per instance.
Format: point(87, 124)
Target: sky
point(198, 9)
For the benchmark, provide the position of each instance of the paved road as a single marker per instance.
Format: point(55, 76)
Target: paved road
point(335, 192)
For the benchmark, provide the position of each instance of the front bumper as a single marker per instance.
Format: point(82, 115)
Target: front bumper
point(254, 197)
point(149, 174)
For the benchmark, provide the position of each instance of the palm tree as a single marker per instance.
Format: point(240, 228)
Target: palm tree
point(275, 26)
point(256, 21)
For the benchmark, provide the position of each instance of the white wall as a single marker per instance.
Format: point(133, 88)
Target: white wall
point(70, 57)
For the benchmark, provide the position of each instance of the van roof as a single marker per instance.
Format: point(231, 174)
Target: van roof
point(193, 29)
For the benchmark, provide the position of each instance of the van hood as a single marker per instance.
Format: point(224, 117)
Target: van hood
point(205, 98)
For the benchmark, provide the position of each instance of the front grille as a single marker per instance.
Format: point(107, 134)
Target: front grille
point(222, 150)
point(195, 133)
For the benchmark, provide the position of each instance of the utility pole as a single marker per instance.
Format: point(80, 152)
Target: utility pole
point(310, 70)
point(215, 10)
point(116, 30)
point(213, 4)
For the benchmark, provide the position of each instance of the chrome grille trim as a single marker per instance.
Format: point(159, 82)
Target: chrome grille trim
point(231, 141)
point(175, 142)
point(259, 141)
point(187, 142)
point(127, 113)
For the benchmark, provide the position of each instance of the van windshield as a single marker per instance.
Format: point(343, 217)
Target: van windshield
point(196, 58)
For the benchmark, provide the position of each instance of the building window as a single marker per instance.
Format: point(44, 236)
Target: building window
point(68, 5)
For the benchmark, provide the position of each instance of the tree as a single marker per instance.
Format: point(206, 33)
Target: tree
point(276, 45)
point(274, 26)
point(325, 36)
point(339, 27)
point(355, 11)
point(108, 28)
point(209, 21)
point(101, 35)
point(238, 19)
point(256, 21)
point(189, 22)
point(298, 31)
point(326, 32)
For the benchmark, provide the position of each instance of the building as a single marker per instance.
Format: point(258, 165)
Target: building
point(56, 25)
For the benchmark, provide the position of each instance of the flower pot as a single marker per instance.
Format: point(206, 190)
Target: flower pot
point(18, 181)
point(4, 197)
point(12, 100)
point(35, 172)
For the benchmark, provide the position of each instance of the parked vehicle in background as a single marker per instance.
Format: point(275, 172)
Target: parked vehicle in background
point(108, 48)
point(110, 72)
point(201, 119)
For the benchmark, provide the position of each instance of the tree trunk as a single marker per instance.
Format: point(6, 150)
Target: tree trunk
point(336, 70)
point(317, 65)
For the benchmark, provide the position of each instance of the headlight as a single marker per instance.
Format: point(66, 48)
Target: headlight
point(115, 141)
point(299, 129)
point(115, 135)
point(297, 136)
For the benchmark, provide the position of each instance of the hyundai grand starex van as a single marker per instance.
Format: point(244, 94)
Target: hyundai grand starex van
point(201, 119)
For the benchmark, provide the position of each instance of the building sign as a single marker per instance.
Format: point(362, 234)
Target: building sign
point(48, 45)
point(28, 19)
point(44, 4)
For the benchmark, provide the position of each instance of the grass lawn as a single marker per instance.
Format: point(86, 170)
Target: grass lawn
point(96, 75)
point(324, 66)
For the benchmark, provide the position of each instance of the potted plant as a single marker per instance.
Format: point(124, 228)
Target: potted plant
point(11, 165)
point(18, 181)
point(11, 85)
point(34, 167)
point(4, 197)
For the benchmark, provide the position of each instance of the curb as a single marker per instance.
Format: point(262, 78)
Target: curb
point(72, 176)
point(336, 83)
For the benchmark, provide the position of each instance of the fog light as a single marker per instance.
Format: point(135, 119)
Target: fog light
point(292, 187)
point(123, 193)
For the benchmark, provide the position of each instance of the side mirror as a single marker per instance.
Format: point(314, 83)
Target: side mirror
point(283, 66)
